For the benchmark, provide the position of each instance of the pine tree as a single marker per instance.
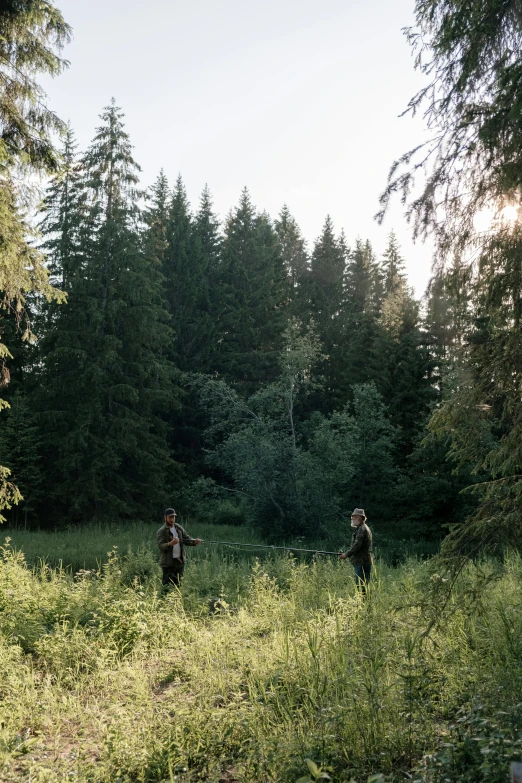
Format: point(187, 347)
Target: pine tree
point(481, 415)
point(61, 217)
point(31, 37)
point(106, 379)
point(190, 252)
point(358, 281)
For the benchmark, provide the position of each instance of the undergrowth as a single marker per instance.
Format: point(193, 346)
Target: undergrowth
point(86, 547)
point(103, 679)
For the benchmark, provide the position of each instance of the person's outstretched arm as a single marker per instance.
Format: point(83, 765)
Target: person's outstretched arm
point(188, 540)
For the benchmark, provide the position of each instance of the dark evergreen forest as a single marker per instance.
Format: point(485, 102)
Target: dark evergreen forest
point(152, 354)
point(226, 368)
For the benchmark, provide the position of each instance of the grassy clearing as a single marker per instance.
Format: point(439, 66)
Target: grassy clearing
point(87, 547)
point(104, 680)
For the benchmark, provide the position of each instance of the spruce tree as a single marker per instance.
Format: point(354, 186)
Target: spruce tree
point(187, 285)
point(189, 254)
point(358, 282)
point(208, 231)
point(448, 317)
point(397, 295)
point(62, 217)
point(31, 37)
point(360, 318)
point(393, 265)
point(21, 452)
point(471, 54)
point(156, 218)
point(295, 260)
point(326, 278)
point(401, 355)
point(106, 379)
point(325, 297)
point(252, 299)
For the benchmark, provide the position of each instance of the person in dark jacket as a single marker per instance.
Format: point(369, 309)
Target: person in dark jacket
point(172, 540)
point(360, 552)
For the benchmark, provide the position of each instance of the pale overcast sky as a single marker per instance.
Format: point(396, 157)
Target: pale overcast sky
point(296, 99)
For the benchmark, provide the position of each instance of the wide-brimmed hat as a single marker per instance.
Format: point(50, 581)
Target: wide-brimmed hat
point(359, 512)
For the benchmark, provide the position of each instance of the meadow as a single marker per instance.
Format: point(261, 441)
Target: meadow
point(296, 678)
point(87, 547)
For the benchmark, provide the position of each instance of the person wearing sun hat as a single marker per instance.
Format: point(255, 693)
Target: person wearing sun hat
point(360, 552)
point(172, 538)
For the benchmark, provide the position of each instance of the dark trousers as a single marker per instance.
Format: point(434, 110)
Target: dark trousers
point(362, 576)
point(172, 574)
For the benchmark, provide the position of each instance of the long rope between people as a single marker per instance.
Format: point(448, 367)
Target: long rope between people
point(269, 546)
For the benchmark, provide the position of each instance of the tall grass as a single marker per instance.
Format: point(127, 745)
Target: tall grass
point(87, 547)
point(104, 680)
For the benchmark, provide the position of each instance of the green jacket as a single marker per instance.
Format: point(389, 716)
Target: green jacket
point(164, 536)
point(360, 552)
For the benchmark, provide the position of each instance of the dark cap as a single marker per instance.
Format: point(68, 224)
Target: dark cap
point(169, 512)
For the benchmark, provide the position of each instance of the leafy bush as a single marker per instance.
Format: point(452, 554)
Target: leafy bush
point(139, 567)
point(290, 486)
point(478, 748)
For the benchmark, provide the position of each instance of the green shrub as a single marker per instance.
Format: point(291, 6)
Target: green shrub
point(226, 512)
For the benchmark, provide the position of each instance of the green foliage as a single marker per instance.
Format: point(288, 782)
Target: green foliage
point(188, 263)
point(315, 773)
point(157, 301)
point(103, 678)
point(104, 425)
point(10, 495)
point(479, 747)
point(185, 270)
point(431, 491)
point(471, 54)
point(211, 503)
point(21, 451)
point(325, 297)
point(31, 35)
point(295, 259)
point(250, 300)
point(291, 486)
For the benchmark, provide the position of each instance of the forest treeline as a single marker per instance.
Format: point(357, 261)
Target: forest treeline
point(151, 354)
point(224, 368)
